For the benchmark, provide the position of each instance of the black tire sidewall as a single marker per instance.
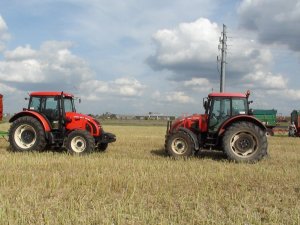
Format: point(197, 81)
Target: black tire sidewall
point(40, 143)
point(259, 134)
point(184, 136)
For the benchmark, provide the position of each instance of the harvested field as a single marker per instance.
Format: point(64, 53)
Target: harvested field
point(134, 182)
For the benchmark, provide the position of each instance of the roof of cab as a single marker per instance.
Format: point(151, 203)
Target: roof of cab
point(227, 94)
point(50, 93)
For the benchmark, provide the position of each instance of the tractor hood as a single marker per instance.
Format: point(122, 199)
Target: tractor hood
point(78, 116)
point(187, 121)
point(81, 121)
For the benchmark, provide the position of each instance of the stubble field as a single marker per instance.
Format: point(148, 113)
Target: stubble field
point(134, 182)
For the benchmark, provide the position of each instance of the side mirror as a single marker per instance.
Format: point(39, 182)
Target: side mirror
point(250, 111)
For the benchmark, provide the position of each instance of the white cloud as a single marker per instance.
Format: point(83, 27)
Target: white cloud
point(123, 87)
point(190, 51)
point(53, 63)
point(7, 89)
point(262, 80)
point(20, 53)
point(286, 94)
point(54, 67)
point(172, 97)
point(4, 35)
point(274, 22)
point(178, 97)
point(198, 84)
point(194, 41)
point(128, 87)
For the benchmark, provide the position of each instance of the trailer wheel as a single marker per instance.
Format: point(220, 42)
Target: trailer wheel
point(80, 142)
point(245, 142)
point(26, 134)
point(180, 145)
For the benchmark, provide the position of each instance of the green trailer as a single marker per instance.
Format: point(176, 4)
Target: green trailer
point(267, 117)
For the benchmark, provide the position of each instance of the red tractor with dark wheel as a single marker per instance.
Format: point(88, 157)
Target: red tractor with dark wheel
point(51, 120)
point(227, 125)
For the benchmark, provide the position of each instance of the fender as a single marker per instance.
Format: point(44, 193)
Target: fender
point(192, 135)
point(36, 115)
point(240, 118)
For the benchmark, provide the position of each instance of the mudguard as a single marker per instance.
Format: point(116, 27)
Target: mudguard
point(240, 118)
point(192, 135)
point(36, 115)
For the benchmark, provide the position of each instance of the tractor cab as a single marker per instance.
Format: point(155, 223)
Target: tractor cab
point(221, 106)
point(52, 105)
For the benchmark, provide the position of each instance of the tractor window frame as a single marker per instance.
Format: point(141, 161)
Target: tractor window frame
point(215, 121)
point(32, 101)
point(240, 111)
point(70, 106)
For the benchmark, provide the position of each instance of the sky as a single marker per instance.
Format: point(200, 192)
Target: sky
point(139, 56)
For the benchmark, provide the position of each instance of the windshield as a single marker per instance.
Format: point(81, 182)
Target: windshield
point(69, 105)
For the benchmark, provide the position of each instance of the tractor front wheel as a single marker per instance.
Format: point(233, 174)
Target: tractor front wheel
point(80, 142)
point(245, 142)
point(180, 145)
point(27, 134)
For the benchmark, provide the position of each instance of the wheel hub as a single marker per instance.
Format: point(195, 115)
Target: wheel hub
point(78, 144)
point(25, 136)
point(244, 144)
point(179, 146)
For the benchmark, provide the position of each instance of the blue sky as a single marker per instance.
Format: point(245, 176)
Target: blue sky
point(133, 57)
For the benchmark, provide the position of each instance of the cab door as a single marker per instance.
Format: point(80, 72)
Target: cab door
point(220, 111)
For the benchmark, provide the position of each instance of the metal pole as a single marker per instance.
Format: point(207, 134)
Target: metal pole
point(223, 59)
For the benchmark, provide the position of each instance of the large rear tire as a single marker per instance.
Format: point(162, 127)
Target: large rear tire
point(80, 142)
point(27, 134)
point(180, 145)
point(245, 142)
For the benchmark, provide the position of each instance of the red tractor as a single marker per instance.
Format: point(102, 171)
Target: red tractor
point(51, 120)
point(227, 125)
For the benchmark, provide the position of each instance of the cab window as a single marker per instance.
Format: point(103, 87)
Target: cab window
point(239, 106)
point(69, 106)
point(220, 112)
point(35, 103)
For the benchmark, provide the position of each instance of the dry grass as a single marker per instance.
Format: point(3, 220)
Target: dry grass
point(135, 183)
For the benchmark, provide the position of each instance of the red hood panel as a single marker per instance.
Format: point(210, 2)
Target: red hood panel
point(186, 121)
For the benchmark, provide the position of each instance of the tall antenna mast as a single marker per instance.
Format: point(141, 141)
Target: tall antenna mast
point(223, 44)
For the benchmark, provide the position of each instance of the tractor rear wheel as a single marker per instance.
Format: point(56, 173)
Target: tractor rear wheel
point(26, 134)
point(80, 142)
point(245, 142)
point(180, 145)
